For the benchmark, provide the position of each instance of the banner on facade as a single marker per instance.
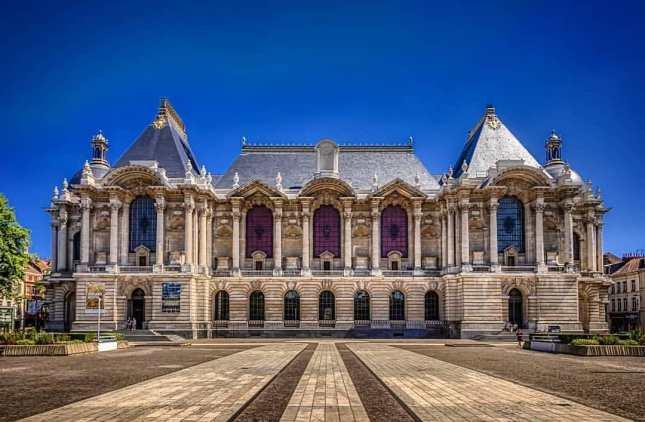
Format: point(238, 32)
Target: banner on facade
point(94, 292)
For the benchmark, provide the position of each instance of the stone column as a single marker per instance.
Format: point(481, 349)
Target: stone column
point(418, 215)
point(568, 234)
point(492, 232)
point(189, 206)
point(61, 261)
point(528, 235)
point(209, 238)
point(235, 214)
point(306, 270)
point(196, 237)
point(591, 244)
point(444, 239)
point(376, 238)
point(203, 217)
point(457, 230)
point(465, 235)
point(115, 205)
point(539, 234)
point(599, 248)
point(451, 236)
point(160, 205)
point(348, 237)
point(54, 245)
point(277, 238)
point(125, 232)
point(86, 205)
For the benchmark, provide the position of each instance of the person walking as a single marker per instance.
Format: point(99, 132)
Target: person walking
point(518, 334)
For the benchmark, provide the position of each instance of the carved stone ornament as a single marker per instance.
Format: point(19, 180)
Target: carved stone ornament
point(223, 231)
point(361, 231)
point(430, 231)
point(293, 231)
point(176, 220)
point(102, 220)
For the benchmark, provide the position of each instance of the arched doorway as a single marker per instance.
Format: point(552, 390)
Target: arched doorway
point(362, 307)
point(516, 308)
point(137, 308)
point(220, 306)
point(431, 306)
point(326, 308)
point(69, 310)
point(256, 307)
point(291, 308)
point(397, 306)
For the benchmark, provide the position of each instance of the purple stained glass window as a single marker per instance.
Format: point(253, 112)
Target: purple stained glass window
point(394, 231)
point(326, 231)
point(259, 231)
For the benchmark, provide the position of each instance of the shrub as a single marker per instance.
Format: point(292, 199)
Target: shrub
point(25, 342)
point(584, 342)
point(89, 337)
point(628, 343)
point(63, 338)
point(119, 336)
point(637, 335)
point(43, 338)
point(608, 340)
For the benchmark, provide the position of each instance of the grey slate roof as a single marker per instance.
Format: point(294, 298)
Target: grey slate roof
point(356, 166)
point(489, 142)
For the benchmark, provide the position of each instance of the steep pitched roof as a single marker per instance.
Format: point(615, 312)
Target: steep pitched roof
point(631, 266)
point(164, 141)
point(356, 166)
point(488, 142)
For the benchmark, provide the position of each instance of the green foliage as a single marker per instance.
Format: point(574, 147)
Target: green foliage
point(584, 342)
point(9, 337)
point(608, 340)
point(43, 338)
point(90, 337)
point(638, 336)
point(628, 342)
point(63, 338)
point(25, 342)
point(14, 241)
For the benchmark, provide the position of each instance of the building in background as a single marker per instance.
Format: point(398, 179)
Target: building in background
point(26, 309)
point(626, 311)
point(327, 238)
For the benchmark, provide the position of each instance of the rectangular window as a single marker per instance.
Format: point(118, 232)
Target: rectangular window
point(618, 305)
point(634, 304)
point(170, 297)
point(633, 285)
point(258, 265)
point(613, 305)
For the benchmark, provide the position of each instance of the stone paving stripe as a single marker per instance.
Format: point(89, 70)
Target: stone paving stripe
point(439, 391)
point(213, 390)
point(325, 391)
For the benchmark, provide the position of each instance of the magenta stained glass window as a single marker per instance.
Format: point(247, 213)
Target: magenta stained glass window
point(394, 231)
point(326, 231)
point(259, 231)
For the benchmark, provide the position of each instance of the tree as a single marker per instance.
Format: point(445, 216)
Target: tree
point(14, 242)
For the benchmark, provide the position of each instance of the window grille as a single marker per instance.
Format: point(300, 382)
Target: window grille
point(327, 231)
point(362, 306)
point(394, 231)
point(259, 231)
point(326, 306)
point(221, 306)
point(510, 224)
point(256, 306)
point(397, 306)
point(292, 306)
point(431, 306)
point(143, 223)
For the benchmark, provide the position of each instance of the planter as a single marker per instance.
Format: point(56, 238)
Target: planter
point(613, 350)
point(53, 349)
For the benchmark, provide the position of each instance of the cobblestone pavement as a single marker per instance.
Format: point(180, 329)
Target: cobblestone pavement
point(213, 390)
point(325, 391)
point(439, 391)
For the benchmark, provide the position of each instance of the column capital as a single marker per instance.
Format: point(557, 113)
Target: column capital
point(493, 202)
point(86, 202)
point(115, 204)
point(277, 203)
point(160, 202)
point(277, 214)
point(189, 202)
point(567, 206)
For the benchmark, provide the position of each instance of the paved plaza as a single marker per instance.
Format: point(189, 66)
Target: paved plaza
point(235, 377)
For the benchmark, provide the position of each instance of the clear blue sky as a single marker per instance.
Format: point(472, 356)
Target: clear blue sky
point(297, 71)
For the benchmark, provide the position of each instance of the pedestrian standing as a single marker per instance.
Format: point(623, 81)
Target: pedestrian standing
point(518, 334)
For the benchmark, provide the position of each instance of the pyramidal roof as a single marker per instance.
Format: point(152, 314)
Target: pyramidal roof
point(488, 142)
point(164, 141)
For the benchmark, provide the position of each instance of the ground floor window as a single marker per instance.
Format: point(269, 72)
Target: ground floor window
point(431, 306)
point(221, 306)
point(515, 308)
point(326, 306)
point(362, 306)
point(170, 297)
point(397, 306)
point(256, 306)
point(292, 306)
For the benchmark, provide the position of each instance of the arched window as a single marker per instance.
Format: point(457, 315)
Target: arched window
point(259, 231)
point(576, 247)
point(143, 223)
point(394, 231)
point(76, 247)
point(510, 224)
point(256, 306)
point(221, 306)
point(326, 306)
point(362, 306)
point(292, 306)
point(327, 231)
point(515, 308)
point(431, 306)
point(397, 306)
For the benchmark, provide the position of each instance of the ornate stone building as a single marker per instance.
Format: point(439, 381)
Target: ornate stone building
point(327, 238)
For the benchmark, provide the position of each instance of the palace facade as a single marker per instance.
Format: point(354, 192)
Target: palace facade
point(327, 239)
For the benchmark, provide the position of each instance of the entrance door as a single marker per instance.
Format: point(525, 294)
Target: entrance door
point(70, 310)
point(138, 308)
point(515, 314)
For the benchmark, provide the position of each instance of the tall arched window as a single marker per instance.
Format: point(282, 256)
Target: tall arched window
point(397, 306)
point(431, 306)
point(362, 306)
point(256, 306)
point(326, 306)
point(394, 231)
point(76, 247)
point(292, 306)
point(576, 247)
point(510, 224)
point(221, 306)
point(327, 231)
point(515, 308)
point(143, 223)
point(259, 231)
